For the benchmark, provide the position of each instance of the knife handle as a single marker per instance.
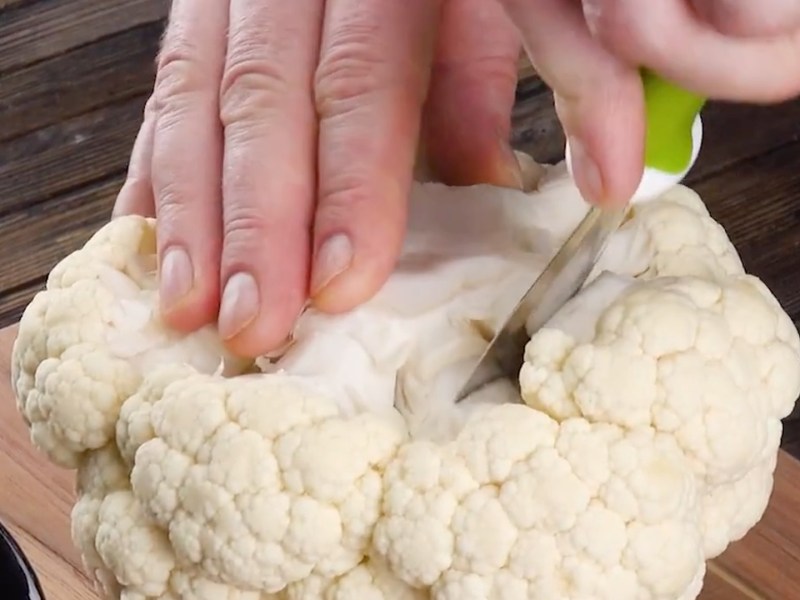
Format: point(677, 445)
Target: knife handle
point(671, 113)
point(673, 135)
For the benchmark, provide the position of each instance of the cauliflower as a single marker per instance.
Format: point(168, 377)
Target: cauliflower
point(639, 440)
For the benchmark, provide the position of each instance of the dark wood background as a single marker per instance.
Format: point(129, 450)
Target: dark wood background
point(75, 74)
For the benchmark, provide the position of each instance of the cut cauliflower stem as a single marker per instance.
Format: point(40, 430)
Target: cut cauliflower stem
point(639, 441)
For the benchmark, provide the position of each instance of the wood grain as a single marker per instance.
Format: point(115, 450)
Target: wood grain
point(59, 227)
point(36, 497)
point(87, 78)
point(33, 31)
point(768, 560)
point(760, 210)
point(735, 133)
point(719, 585)
point(11, 300)
point(63, 157)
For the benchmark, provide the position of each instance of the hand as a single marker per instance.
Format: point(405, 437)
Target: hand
point(278, 160)
point(589, 52)
point(278, 147)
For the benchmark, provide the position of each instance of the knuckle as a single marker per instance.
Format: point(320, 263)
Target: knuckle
point(178, 74)
point(176, 79)
point(340, 201)
point(349, 72)
point(338, 210)
point(172, 201)
point(348, 195)
point(246, 216)
point(635, 37)
point(492, 71)
point(250, 88)
point(245, 227)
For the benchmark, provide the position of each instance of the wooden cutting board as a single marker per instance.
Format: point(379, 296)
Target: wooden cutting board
point(36, 497)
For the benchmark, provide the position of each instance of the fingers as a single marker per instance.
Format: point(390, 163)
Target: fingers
point(186, 161)
point(669, 38)
point(370, 85)
point(136, 195)
point(746, 18)
point(599, 99)
point(269, 169)
point(467, 120)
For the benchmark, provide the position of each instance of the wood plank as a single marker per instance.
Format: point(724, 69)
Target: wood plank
point(734, 133)
point(68, 155)
point(36, 239)
point(768, 559)
point(106, 72)
point(758, 204)
point(721, 586)
point(535, 129)
point(59, 579)
point(33, 31)
point(791, 438)
point(6, 4)
point(14, 301)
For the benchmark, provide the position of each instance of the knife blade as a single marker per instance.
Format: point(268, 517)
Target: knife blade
point(564, 275)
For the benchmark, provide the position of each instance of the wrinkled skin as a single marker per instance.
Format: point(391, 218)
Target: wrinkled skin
point(339, 95)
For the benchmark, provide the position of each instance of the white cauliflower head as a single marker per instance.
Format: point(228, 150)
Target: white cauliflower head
point(638, 442)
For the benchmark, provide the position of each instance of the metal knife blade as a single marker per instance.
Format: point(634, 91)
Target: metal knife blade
point(564, 275)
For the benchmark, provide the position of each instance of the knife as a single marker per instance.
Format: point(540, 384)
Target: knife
point(672, 144)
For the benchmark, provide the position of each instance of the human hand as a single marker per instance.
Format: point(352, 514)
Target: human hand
point(589, 52)
point(278, 147)
point(333, 99)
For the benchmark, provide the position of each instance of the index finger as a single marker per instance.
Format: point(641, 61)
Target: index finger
point(599, 99)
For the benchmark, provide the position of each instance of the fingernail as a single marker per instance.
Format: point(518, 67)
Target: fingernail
point(177, 276)
point(586, 172)
point(333, 258)
point(239, 305)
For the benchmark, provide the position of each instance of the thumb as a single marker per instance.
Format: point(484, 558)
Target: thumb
point(467, 118)
point(599, 99)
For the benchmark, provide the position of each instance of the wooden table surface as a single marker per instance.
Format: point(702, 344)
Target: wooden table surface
point(74, 76)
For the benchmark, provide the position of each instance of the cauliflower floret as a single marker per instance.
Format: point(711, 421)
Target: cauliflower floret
point(639, 440)
point(686, 240)
point(711, 364)
point(86, 340)
point(371, 580)
point(518, 507)
point(258, 481)
point(100, 474)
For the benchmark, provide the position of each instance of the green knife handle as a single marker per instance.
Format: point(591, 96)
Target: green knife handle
point(670, 114)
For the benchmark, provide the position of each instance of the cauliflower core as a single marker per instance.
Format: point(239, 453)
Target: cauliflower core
point(638, 442)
